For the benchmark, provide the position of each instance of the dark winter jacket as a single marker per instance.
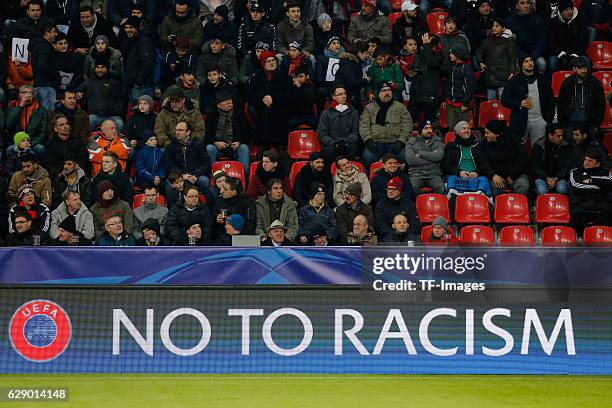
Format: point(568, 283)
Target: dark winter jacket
point(338, 127)
point(476, 29)
point(516, 91)
point(530, 39)
point(240, 127)
point(550, 160)
point(250, 33)
point(16, 239)
point(124, 240)
point(345, 214)
point(452, 155)
point(187, 158)
point(138, 61)
point(403, 29)
point(569, 36)
point(60, 185)
point(44, 64)
point(226, 60)
point(121, 182)
point(303, 180)
point(138, 123)
point(63, 12)
point(104, 96)
point(70, 66)
point(505, 158)
point(594, 99)
point(78, 37)
point(350, 75)
point(365, 27)
point(189, 27)
point(180, 218)
point(258, 182)
point(461, 84)
point(286, 33)
point(150, 162)
point(379, 182)
point(584, 195)
point(56, 150)
point(41, 216)
point(427, 64)
point(386, 209)
point(36, 126)
point(499, 56)
point(576, 152)
point(239, 204)
point(226, 30)
point(311, 219)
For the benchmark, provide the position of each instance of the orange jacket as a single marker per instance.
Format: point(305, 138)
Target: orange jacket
point(19, 73)
point(98, 145)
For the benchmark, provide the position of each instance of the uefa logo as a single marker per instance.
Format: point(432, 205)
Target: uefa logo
point(40, 330)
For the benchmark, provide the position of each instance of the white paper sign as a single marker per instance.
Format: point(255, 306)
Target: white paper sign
point(332, 68)
point(20, 49)
point(65, 79)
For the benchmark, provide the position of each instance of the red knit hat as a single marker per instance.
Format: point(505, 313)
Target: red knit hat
point(264, 56)
point(396, 182)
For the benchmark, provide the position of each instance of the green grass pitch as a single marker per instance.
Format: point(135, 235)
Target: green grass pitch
point(319, 391)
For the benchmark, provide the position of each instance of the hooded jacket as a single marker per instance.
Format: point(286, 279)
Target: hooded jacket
point(458, 42)
point(226, 60)
point(389, 72)
point(167, 119)
point(570, 36)
point(288, 216)
point(40, 183)
point(83, 220)
point(461, 83)
point(83, 187)
point(594, 100)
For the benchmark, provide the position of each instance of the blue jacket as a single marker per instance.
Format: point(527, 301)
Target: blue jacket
point(530, 34)
point(309, 219)
point(149, 163)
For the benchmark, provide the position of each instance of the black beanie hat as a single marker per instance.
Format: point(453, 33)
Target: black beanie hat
point(497, 127)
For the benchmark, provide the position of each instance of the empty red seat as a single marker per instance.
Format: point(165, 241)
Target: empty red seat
point(435, 22)
point(607, 140)
point(511, 209)
point(552, 209)
point(557, 79)
point(375, 167)
point(334, 169)
point(600, 53)
point(605, 77)
point(472, 208)
point(295, 169)
point(492, 110)
point(449, 137)
point(429, 206)
point(252, 170)
point(597, 236)
point(517, 235)
point(301, 143)
point(477, 235)
point(558, 235)
point(233, 169)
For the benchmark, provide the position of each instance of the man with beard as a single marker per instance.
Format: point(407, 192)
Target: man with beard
point(61, 145)
point(267, 169)
point(424, 155)
point(150, 209)
point(33, 174)
point(77, 118)
point(234, 201)
point(315, 171)
point(24, 234)
point(550, 163)
point(109, 205)
point(180, 23)
point(273, 206)
point(72, 207)
point(72, 178)
point(30, 203)
point(112, 172)
point(529, 96)
point(384, 126)
point(176, 108)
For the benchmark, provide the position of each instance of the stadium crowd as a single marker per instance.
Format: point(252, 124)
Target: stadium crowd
point(313, 122)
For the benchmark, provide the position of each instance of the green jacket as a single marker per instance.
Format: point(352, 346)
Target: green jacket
point(37, 125)
point(391, 72)
point(288, 216)
point(191, 29)
point(398, 124)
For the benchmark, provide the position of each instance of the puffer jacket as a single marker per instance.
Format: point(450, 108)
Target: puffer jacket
point(40, 183)
point(335, 127)
point(398, 124)
point(226, 60)
point(286, 33)
point(375, 25)
point(167, 119)
point(430, 153)
point(499, 56)
point(189, 27)
point(150, 162)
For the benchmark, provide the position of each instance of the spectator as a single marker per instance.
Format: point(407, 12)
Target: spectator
point(138, 61)
point(186, 214)
point(497, 59)
point(302, 105)
point(143, 119)
point(61, 145)
point(320, 238)
point(21, 147)
point(255, 28)
point(384, 126)
point(453, 39)
point(177, 108)
point(69, 64)
point(217, 52)
point(102, 50)
point(581, 98)
point(440, 233)
point(369, 23)
point(529, 96)
point(338, 129)
point(316, 215)
point(424, 74)
point(276, 235)
point(180, 23)
point(111, 171)
point(479, 25)
point(78, 120)
point(28, 115)
point(266, 170)
point(347, 173)
point(188, 156)
point(568, 36)
point(424, 155)
point(188, 83)
point(69, 235)
point(275, 205)
point(233, 201)
point(461, 86)
point(150, 162)
point(550, 163)
point(18, 73)
point(352, 75)
point(215, 83)
point(323, 31)
point(114, 233)
point(107, 140)
point(221, 26)
point(118, 10)
point(151, 234)
point(294, 29)
point(219, 177)
point(384, 69)
point(73, 178)
point(581, 141)
point(352, 207)
point(32, 23)
point(503, 160)
point(401, 231)
point(460, 166)
point(84, 35)
point(390, 169)
point(150, 210)
point(314, 172)
point(35, 176)
point(394, 203)
point(526, 26)
point(175, 60)
point(405, 60)
point(361, 234)
point(411, 24)
point(30, 203)
point(72, 207)
point(103, 96)
point(250, 63)
point(174, 193)
point(323, 71)
point(109, 205)
point(24, 233)
point(590, 186)
point(234, 224)
point(268, 94)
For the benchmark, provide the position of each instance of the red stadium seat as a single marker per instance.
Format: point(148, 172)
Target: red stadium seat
point(605, 77)
point(232, 168)
point(426, 233)
point(374, 167)
point(435, 22)
point(449, 137)
point(295, 169)
point(429, 206)
point(477, 235)
point(252, 170)
point(472, 208)
point(600, 53)
point(558, 235)
point(492, 110)
point(597, 236)
point(443, 124)
point(393, 17)
point(607, 141)
point(552, 209)
point(302, 143)
point(334, 169)
point(557, 79)
point(139, 200)
point(511, 209)
point(517, 235)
